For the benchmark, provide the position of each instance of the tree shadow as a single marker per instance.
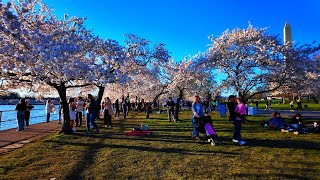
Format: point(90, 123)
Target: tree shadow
point(295, 144)
point(87, 160)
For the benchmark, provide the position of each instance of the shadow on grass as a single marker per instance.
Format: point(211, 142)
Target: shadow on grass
point(269, 176)
point(88, 159)
point(94, 148)
point(295, 144)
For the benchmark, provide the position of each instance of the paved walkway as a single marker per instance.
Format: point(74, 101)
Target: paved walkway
point(12, 139)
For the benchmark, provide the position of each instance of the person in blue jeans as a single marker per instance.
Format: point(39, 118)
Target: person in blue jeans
point(92, 110)
point(197, 112)
point(21, 109)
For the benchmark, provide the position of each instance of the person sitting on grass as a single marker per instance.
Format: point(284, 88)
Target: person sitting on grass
point(297, 121)
point(266, 123)
point(277, 121)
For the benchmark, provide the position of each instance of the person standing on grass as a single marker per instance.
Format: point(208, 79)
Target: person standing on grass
point(124, 107)
point(117, 108)
point(128, 104)
point(92, 108)
point(232, 107)
point(49, 109)
point(240, 117)
point(197, 112)
point(257, 104)
point(21, 109)
point(170, 106)
point(214, 105)
point(72, 113)
point(299, 105)
point(107, 106)
point(79, 104)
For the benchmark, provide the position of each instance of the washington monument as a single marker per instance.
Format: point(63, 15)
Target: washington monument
point(287, 35)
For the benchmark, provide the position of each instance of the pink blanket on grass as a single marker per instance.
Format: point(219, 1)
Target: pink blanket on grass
point(139, 133)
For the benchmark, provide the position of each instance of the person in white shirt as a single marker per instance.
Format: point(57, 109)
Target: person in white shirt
point(79, 104)
point(72, 112)
point(49, 108)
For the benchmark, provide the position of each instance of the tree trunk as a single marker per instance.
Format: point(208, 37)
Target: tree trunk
point(100, 95)
point(177, 109)
point(66, 129)
point(148, 108)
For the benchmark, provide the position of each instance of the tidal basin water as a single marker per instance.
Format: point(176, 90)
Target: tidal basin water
point(37, 115)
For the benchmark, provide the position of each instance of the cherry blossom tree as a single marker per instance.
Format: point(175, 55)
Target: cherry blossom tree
point(181, 77)
point(41, 48)
point(249, 59)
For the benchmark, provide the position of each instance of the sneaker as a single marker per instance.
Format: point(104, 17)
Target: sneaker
point(192, 136)
point(284, 130)
point(106, 126)
point(242, 143)
point(74, 129)
point(235, 141)
point(212, 143)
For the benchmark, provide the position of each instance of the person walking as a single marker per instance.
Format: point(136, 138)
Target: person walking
point(79, 104)
point(197, 112)
point(240, 117)
point(170, 106)
point(92, 108)
point(49, 109)
point(124, 107)
point(21, 109)
point(107, 106)
point(117, 108)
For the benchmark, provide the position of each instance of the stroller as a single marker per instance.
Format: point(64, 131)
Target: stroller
point(204, 126)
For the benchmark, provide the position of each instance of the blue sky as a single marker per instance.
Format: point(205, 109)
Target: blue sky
point(184, 25)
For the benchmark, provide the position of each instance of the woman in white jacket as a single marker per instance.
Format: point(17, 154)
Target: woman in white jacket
point(49, 108)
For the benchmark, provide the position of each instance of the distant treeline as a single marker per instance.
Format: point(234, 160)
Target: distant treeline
point(4, 95)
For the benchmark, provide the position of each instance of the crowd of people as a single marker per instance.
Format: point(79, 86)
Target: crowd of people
point(295, 124)
point(201, 121)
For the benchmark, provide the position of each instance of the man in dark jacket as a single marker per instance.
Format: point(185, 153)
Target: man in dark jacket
point(232, 107)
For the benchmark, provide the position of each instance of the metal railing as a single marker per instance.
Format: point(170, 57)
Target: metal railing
point(8, 120)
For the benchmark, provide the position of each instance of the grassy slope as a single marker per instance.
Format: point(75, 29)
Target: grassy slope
point(168, 154)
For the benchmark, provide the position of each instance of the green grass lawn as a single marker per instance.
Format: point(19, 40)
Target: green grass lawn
point(169, 153)
point(276, 105)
